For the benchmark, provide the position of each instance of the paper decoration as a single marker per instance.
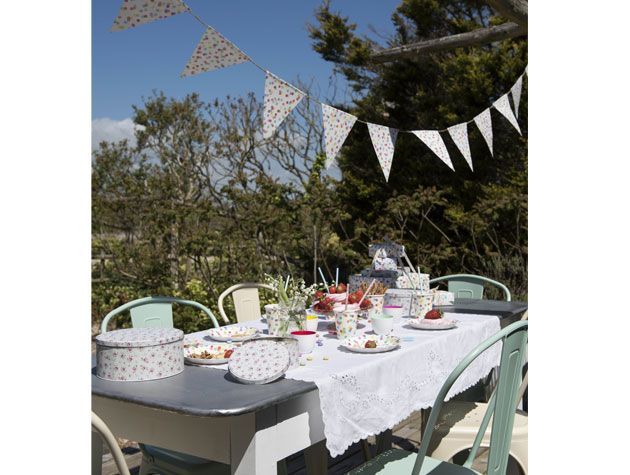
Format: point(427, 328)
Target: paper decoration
point(383, 140)
point(213, 52)
point(337, 126)
point(280, 99)
point(502, 104)
point(459, 134)
point(433, 140)
point(516, 94)
point(484, 124)
point(137, 12)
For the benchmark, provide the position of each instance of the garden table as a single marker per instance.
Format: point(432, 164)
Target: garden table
point(204, 412)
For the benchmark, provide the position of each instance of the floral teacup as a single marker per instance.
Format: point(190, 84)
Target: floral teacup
point(346, 323)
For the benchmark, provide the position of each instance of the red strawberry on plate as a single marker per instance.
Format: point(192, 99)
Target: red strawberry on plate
point(434, 314)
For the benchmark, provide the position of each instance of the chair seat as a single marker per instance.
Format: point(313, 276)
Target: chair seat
point(397, 461)
point(464, 418)
point(180, 463)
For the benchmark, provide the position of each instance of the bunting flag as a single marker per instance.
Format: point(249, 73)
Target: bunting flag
point(383, 140)
point(213, 52)
point(137, 12)
point(484, 124)
point(337, 126)
point(433, 140)
point(516, 94)
point(459, 134)
point(280, 99)
point(502, 104)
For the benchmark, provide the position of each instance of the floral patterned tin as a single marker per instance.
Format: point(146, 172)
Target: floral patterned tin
point(291, 345)
point(442, 297)
point(139, 354)
point(414, 302)
point(259, 361)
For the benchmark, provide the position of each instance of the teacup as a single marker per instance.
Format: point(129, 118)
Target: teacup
point(393, 310)
point(270, 307)
point(382, 324)
point(306, 340)
point(346, 323)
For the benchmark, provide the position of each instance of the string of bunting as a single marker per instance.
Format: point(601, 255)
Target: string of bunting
point(214, 51)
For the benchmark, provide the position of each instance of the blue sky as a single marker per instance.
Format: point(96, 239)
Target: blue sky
point(128, 65)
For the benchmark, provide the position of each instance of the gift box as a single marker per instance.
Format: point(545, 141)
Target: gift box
point(410, 280)
point(415, 303)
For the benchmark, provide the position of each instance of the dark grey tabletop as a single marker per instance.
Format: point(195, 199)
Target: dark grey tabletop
point(213, 393)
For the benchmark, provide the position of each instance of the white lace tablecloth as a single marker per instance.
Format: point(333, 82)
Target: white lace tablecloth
point(364, 394)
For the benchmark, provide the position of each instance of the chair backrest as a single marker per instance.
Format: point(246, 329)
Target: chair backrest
point(99, 426)
point(470, 286)
point(502, 405)
point(154, 312)
point(246, 301)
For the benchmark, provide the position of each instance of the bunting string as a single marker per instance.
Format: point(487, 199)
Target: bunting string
point(214, 51)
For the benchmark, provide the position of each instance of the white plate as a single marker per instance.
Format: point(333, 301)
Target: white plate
point(228, 333)
point(383, 343)
point(217, 348)
point(441, 324)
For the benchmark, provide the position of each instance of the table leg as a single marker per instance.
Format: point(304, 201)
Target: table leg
point(252, 445)
point(97, 453)
point(316, 458)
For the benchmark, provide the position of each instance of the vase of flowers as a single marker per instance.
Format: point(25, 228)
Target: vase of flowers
point(290, 314)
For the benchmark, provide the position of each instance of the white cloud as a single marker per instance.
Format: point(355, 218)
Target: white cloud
point(110, 130)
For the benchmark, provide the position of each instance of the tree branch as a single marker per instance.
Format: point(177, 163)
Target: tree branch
point(471, 38)
point(515, 10)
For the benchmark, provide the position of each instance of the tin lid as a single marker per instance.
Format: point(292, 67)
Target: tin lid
point(137, 337)
point(259, 361)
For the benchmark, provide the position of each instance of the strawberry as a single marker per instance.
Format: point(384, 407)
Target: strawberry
point(319, 295)
point(227, 353)
point(366, 304)
point(332, 290)
point(341, 288)
point(434, 314)
point(353, 298)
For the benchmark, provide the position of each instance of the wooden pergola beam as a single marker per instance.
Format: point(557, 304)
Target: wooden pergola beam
point(471, 38)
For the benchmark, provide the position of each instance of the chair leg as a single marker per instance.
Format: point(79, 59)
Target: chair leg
point(384, 441)
point(365, 447)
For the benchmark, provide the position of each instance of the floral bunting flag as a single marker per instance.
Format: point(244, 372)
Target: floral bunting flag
point(459, 134)
point(433, 140)
point(337, 126)
point(137, 12)
point(213, 52)
point(383, 140)
point(516, 94)
point(280, 99)
point(502, 104)
point(484, 124)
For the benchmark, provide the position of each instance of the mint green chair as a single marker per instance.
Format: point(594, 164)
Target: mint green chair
point(470, 286)
point(501, 408)
point(154, 312)
point(158, 312)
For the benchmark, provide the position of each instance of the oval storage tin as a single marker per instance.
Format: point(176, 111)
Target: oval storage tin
point(290, 344)
point(259, 362)
point(139, 354)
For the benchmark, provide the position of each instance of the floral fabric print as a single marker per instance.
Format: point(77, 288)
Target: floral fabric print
point(213, 52)
point(280, 99)
point(337, 126)
point(484, 124)
point(137, 12)
point(516, 94)
point(502, 104)
point(259, 361)
point(433, 140)
point(459, 134)
point(383, 140)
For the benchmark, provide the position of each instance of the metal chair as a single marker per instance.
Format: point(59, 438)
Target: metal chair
point(154, 312)
point(501, 408)
point(246, 301)
point(470, 286)
point(99, 426)
point(158, 312)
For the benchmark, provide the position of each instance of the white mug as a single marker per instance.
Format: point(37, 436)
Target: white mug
point(382, 324)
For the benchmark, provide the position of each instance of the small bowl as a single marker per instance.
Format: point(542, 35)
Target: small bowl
point(393, 310)
point(383, 324)
point(306, 340)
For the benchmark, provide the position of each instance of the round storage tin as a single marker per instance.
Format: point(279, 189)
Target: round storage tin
point(139, 354)
point(291, 345)
point(259, 362)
